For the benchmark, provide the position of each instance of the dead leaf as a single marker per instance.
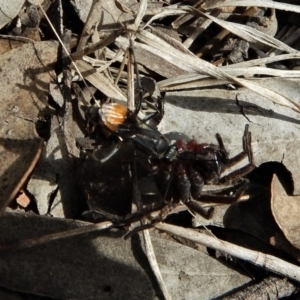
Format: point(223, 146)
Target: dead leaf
point(103, 265)
point(9, 10)
point(25, 76)
point(110, 12)
point(8, 44)
point(122, 7)
point(36, 2)
point(286, 210)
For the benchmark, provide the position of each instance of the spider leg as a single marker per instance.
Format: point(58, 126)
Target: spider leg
point(225, 199)
point(184, 184)
point(237, 174)
point(187, 183)
point(221, 145)
point(197, 182)
point(247, 152)
point(196, 207)
point(247, 144)
point(234, 160)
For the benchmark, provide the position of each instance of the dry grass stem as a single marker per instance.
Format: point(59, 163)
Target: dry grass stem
point(268, 262)
point(245, 3)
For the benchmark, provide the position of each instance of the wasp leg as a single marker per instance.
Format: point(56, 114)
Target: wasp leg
point(151, 116)
point(133, 217)
point(140, 90)
point(237, 174)
point(109, 155)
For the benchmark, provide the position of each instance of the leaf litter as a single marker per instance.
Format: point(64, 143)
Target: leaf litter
point(205, 94)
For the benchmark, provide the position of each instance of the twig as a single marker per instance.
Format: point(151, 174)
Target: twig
point(101, 44)
point(28, 243)
point(269, 262)
point(270, 288)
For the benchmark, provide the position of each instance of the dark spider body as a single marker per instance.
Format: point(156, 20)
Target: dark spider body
point(191, 164)
point(198, 164)
point(208, 159)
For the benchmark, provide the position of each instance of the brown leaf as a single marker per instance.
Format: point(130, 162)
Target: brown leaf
point(286, 210)
point(24, 79)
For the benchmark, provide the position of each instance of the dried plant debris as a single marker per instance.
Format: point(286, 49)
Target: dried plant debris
point(156, 99)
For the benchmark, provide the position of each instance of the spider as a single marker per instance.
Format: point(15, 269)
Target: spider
point(195, 165)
